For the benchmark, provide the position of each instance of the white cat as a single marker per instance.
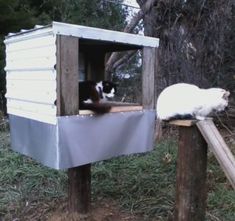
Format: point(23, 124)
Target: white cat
point(183, 100)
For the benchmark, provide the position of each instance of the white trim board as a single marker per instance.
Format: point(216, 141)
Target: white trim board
point(59, 28)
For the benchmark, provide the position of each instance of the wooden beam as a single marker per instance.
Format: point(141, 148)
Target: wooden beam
point(219, 148)
point(183, 123)
point(79, 189)
point(67, 75)
point(79, 193)
point(115, 109)
point(191, 176)
point(148, 78)
point(117, 103)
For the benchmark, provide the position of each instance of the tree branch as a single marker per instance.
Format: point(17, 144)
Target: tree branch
point(128, 29)
point(128, 55)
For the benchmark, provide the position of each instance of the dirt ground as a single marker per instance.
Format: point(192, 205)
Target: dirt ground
point(104, 210)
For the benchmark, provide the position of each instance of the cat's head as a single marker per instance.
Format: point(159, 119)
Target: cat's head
point(220, 99)
point(108, 89)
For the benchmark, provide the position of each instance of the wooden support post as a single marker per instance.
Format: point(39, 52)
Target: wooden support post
point(80, 188)
point(148, 78)
point(191, 175)
point(79, 192)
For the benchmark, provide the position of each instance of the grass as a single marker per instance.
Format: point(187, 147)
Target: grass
point(23, 181)
point(142, 184)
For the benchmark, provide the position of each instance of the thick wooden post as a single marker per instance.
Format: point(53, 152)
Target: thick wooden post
point(79, 192)
point(191, 175)
point(148, 78)
point(80, 188)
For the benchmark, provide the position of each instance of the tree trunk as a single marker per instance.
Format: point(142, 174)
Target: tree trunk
point(128, 29)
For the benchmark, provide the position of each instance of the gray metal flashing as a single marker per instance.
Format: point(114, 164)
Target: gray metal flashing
point(79, 140)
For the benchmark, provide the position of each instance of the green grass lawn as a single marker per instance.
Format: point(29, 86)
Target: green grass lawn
point(142, 184)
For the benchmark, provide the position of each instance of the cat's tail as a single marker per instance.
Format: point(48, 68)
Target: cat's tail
point(98, 108)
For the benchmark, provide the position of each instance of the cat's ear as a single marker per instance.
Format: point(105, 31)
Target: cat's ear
point(226, 95)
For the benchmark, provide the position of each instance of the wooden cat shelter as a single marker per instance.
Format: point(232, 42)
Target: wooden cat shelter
point(43, 67)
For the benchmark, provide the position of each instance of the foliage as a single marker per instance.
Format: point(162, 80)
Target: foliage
point(128, 77)
point(98, 13)
point(15, 14)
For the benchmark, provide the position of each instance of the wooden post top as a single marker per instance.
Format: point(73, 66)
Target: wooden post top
point(183, 123)
point(188, 123)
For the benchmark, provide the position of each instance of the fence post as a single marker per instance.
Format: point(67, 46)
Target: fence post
point(191, 191)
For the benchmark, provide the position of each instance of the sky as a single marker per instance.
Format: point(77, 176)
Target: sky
point(131, 2)
point(132, 11)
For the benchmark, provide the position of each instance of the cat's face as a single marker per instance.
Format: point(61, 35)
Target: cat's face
point(224, 103)
point(221, 99)
point(109, 89)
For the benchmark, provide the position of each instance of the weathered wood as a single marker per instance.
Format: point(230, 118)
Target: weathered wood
point(191, 176)
point(117, 103)
point(67, 75)
point(126, 108)
point(79, 189)
point(148, 79)
point(220, 149)
point(68, 104)
point(115, 109)
point(184, 123)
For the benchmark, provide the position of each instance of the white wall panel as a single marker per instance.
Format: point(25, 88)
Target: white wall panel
point(43, 75)
point(40, 62)
point(31, 78)
point(43, 96)
point(33, 115)
point(47, 51)
point(32, 85)
point(30, 54)
point(29, 43)
point(47, 109)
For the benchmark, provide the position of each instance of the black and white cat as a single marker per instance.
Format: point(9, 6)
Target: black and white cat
point(92, 95)
point(181, 101)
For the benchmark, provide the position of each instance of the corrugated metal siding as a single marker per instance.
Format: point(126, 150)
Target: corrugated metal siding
point(31, 77)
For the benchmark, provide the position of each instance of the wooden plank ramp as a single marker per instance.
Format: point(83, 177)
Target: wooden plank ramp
point(219, 148)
